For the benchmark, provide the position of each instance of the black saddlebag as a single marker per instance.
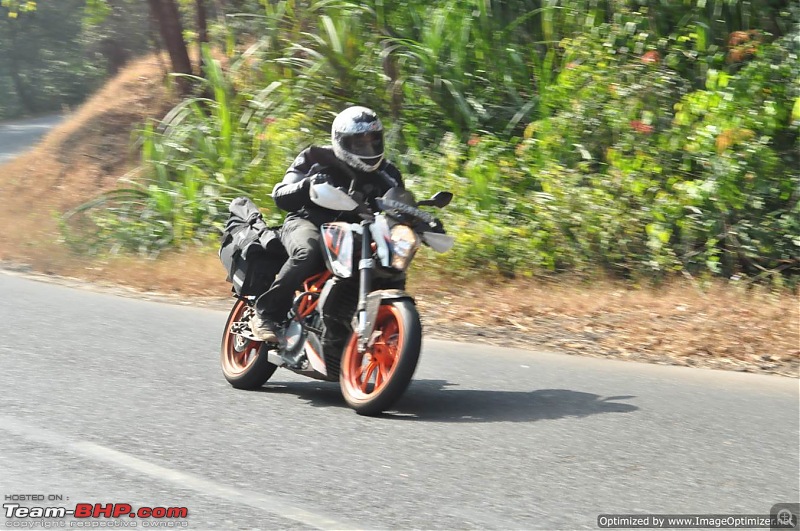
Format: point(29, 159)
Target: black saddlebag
point(251, 252)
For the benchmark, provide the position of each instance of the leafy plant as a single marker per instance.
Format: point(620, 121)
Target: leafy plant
point(617, 137)
point(203, 154)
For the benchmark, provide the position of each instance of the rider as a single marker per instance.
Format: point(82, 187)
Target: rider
point(356, 157)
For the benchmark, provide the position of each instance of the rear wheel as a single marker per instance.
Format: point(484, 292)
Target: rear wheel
point(244, 362)
point(373, 380)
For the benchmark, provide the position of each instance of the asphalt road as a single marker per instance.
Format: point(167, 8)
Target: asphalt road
point(17, 136)
point(105, 399)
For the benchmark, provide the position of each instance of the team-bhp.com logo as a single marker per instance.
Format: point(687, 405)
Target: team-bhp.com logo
point(95, 510)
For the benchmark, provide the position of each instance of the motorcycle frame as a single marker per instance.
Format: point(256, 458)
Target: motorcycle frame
point(363, 324)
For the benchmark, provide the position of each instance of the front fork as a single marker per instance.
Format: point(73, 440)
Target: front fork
point(365, 268)
point(369, 301)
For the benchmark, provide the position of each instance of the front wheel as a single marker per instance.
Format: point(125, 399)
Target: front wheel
point(373, 380)
point(244, 362)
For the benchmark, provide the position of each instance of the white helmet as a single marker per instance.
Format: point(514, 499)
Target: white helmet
point(357, 138)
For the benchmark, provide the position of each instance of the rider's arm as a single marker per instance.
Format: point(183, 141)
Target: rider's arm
point(291, 194)
point(395, 178)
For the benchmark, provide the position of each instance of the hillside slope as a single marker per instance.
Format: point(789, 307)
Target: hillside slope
point(83, 156)
point(724, 326)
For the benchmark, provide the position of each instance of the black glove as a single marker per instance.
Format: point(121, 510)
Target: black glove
point(438, 226)
point(317, 178)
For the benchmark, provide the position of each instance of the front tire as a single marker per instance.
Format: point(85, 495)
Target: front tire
point(374, 380)
point(244, 362)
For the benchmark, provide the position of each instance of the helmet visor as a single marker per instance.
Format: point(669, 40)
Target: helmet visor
point(368, 144)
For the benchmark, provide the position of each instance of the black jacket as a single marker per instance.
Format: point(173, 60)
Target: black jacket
point(291, 194)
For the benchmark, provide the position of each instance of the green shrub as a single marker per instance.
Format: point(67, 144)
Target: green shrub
point(572, 140)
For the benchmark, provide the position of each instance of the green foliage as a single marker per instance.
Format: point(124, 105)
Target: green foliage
point(741, 150)
point(634, 139)
point(204, 153)
point(13, 8)
point(39, 71)
point(54, 54)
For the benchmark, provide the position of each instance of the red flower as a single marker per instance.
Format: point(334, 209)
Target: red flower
point(473, 140)
point(738, 37)
point(642, 127)
point(651, 57)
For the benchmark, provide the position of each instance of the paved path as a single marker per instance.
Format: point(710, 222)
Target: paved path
point(17, 136)
point(108, 399)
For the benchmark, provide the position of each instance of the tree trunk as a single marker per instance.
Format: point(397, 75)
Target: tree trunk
point(165, 13)
point(25, 97)
point(202, 29)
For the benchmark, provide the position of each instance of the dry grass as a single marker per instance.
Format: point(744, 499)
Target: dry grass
point(84, 156)
point(721, 326)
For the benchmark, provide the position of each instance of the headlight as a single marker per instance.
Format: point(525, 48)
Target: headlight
point(405, 243)
point(338, 238)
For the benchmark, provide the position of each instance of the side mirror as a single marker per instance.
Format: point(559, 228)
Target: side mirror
point(330, 197)
point(439, 200)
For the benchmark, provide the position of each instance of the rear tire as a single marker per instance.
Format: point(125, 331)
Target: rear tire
point(374, 380)
point(244, 362)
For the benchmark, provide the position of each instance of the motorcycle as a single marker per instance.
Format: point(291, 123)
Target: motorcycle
point(349, 322)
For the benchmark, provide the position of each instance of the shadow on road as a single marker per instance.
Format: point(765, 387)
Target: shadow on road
point(438, 400)
point(441, 401)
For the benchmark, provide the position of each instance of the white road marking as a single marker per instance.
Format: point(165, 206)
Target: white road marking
point(265, 502)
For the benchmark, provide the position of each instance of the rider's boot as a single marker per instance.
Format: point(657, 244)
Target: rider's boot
point(270, 331)
point(265, 329)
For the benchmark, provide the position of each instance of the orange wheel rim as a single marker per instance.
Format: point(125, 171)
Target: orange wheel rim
point(239, 352)
point(368, 373)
